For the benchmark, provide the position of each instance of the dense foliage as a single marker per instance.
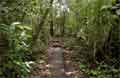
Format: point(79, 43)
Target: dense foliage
point(91, 28)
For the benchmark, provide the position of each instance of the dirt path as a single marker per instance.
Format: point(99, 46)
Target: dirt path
point(56, 62)
point(57, 65)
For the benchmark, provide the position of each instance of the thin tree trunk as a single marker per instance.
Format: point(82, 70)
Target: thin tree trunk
point(51, 25)
point(3, 46)
point(36, 35)
point(63, 25)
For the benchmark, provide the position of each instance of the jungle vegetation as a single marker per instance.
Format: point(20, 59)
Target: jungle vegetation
point(91, 28)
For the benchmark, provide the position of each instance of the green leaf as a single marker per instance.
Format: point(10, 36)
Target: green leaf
point(28, 27)
point(94, 73)
point(82, 66)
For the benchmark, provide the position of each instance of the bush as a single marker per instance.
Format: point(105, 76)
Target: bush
point(16, 65)
point(100, 71)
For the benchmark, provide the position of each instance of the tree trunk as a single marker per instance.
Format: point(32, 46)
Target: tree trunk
point(63, 25)
point(51, 25)
point(43, 18)
point(3, 47)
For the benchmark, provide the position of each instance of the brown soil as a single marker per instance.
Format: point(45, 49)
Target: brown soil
point(57, 65)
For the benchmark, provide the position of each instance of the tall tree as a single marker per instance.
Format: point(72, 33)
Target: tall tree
point(43, 18)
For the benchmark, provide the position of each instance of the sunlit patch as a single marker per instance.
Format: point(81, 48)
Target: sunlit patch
point(67, 61)
point(41, 61)
point(49, 66)
point(70, 73)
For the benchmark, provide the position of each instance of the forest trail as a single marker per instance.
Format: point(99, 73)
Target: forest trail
point(57, 65)
point(56, 62)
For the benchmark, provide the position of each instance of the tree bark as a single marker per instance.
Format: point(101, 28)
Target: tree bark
point(3, 46)
point(63, 25)
point(51, 25)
